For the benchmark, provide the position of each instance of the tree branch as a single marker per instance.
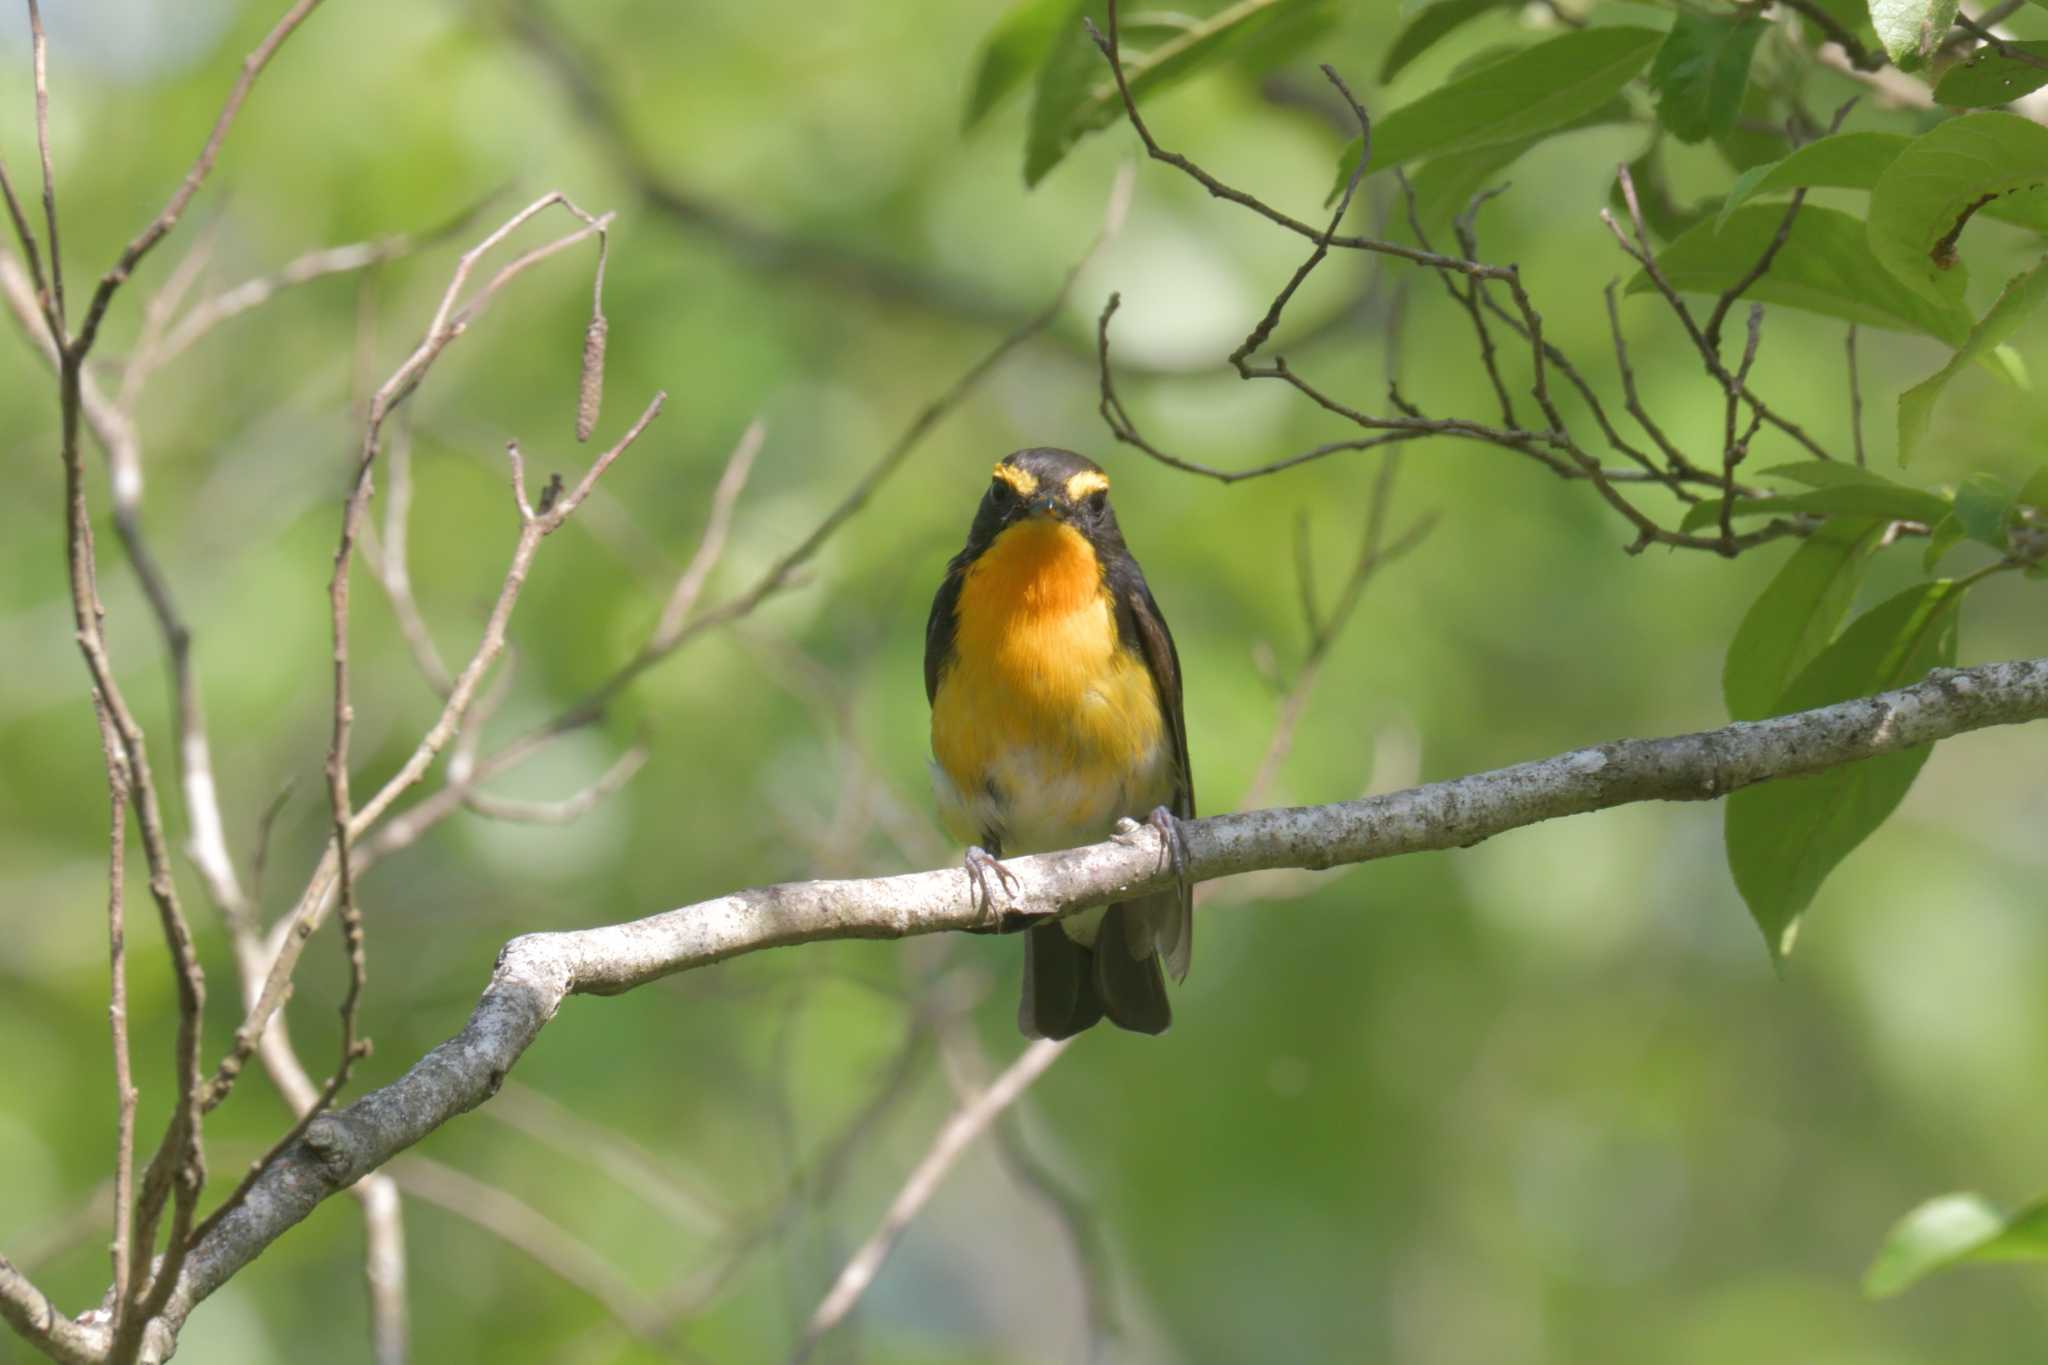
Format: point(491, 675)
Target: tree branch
point(537, 972)
point(42, 1326)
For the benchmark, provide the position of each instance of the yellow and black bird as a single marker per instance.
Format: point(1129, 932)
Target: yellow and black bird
point(1056, 712)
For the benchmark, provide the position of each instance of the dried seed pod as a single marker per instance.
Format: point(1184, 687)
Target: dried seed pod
point(591, 395)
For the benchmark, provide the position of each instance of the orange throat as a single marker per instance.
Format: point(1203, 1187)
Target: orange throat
point(1046, 727)
point(1035, 569)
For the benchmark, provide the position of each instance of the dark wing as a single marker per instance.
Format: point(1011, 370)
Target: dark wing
point(1168, 916)
point(939, 628)
point(1145, 629)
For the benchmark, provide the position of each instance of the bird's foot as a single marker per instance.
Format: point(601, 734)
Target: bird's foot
point(981, 865)
point(1173, 844)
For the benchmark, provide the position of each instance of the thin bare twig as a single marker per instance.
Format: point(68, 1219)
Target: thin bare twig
point(969, 1071)
point(563, 810)
point(1983, 34)
point(125, 1095)
point(682, 600)
point(252, 294)
point(39, 57)
point(335, 876)
point(1260, 332)
point(388, 561)
point(44, 311)
point(967, 1123)
point(174, 208)
point(328, 879)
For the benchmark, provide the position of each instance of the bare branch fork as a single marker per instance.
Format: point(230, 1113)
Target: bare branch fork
point(129, 1325)
point(537, 972)
point(1474, 286)
point(176, 1173)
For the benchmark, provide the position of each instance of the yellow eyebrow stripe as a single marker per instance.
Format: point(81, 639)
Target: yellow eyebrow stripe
point(1022, 480)
point(1086, 482)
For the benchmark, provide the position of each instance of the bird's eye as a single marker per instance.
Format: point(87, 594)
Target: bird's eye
point(1000, 490)
point(1098, 502)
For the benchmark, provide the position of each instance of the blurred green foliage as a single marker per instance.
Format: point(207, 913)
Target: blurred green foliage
point(1542, 1100)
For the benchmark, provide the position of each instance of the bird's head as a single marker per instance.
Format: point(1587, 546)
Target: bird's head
point(1044, 483)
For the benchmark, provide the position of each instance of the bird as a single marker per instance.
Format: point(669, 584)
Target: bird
point(1057, 720)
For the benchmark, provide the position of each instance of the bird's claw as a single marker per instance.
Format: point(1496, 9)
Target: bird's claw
point(981, 864)
point(1173, 844)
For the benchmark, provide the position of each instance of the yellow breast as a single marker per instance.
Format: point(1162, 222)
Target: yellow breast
point(1044, 727)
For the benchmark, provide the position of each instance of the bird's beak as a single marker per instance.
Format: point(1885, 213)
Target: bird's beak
point(1040, 505)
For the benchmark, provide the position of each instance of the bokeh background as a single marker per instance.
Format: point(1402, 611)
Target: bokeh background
point(1545, 1100)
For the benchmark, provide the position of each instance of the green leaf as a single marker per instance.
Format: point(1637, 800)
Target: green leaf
point(1429, 27)
point(1445, 185)
point(1076, 93)
point(1756, 139)
point(1701, 71)
point(1952, 1230)
point(1828, 474)
point(1911, 30)
point(1797, 614)
point(1785, 836)
point(1919, 206)
point(1535, 91)
point(1945, 535)
point(1856, 161)
point(1983, 505)
point(2021, 296)
point(2034, 492)
point(1014, 48)
point(1894, 502)
point(1824, 267)
point(1990, 78)
point(1850, 161)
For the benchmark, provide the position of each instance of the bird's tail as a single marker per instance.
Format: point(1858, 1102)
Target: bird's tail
point(1068, 986)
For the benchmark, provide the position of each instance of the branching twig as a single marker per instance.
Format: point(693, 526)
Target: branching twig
point(1470, 284)
point(407, 827)
point(251, 294)
point(334, 878)
point(174, 208)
